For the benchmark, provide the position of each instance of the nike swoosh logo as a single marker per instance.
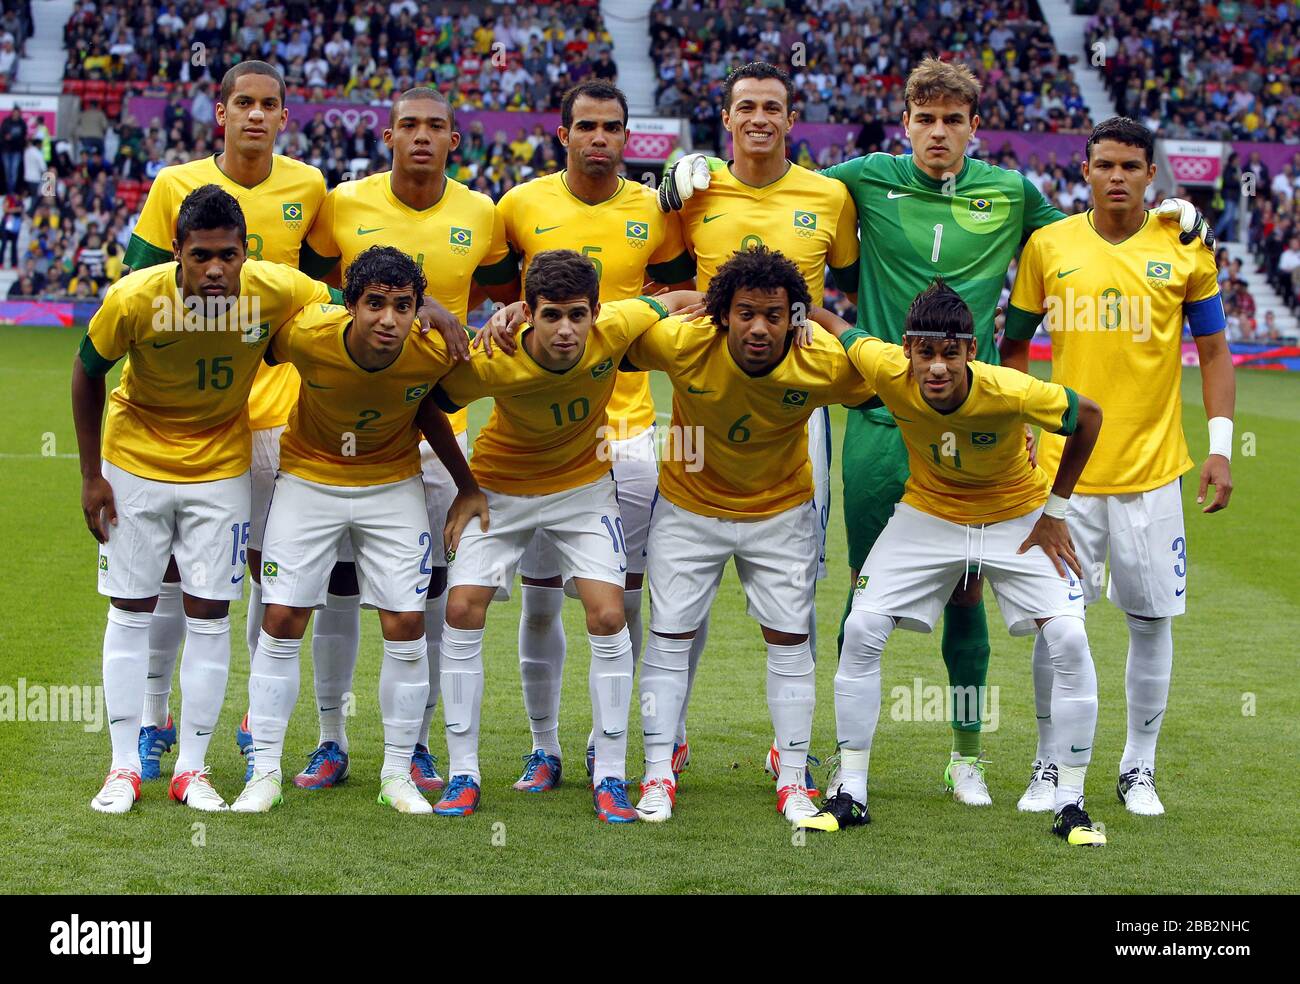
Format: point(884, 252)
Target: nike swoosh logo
point(796, 744)
point(116, 720)
point(1066, 273)
point(1147, 724)
point(236, 580)
point(264, 748)
point(710, 218)
point(318, 386)
point(202, 733)
point(1043, 717)
point(538, 230)
point(161, 345)
point(1083, 749)
point(1179, 592)
point(611, 734)
point(697, 392)
point(1075, 597)
point(422, 590)
point(894, 194)
point(623, 569)
point(323, 709)
point(366, 232)
point(154, 676)
point(651, 734)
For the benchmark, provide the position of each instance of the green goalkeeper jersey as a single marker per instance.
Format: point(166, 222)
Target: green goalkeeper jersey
point(915, 228)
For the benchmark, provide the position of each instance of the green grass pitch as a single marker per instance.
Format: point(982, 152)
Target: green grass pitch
point(1227, 759)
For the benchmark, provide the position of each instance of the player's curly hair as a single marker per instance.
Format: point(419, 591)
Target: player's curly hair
point(386, 265)
point(756, 268)
point(939, 310)
point(209, 207)
point(560, 275)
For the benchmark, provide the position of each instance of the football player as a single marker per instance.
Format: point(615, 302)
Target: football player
point(1116, 289)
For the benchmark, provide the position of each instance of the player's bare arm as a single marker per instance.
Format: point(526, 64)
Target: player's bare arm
point(501, 327)
point(1050, 532)
point(470, 500)
point(1219, 391)
point(97, 505)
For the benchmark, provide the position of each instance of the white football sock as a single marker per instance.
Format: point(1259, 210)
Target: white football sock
point(272, 694)
point(1074, 703)
point(335, 638)
point(126, 663)
point(462, 697)
point(610, 683)
point(1146, 684)
point(1043, 673)
point(166, 633)
point(697, 650)
point(632, 615)
point(664, 671)
point(791, 698)
point(253, 620)
point(857, 695)
point(403, 692)
point(205, 665)
point(435, 613)
point(541, 662)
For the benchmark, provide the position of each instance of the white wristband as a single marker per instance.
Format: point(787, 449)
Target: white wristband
point(1221, 436)
point(1056, 506)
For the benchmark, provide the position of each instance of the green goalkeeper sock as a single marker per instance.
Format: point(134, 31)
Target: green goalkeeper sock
point(966, 654)
point(848, 607)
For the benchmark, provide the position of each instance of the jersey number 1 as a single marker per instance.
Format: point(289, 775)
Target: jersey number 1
point(938, 241)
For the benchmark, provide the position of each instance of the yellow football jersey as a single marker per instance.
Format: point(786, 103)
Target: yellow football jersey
point(278, 212)
point(752, 461)
point(547, 427)
point(353, 426)
point(810, 218)
point(457, 239)
point(179, 412)
point(627, 238)
point(969, 465)
point(1115, 315)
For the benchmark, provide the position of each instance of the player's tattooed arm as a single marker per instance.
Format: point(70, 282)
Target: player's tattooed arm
point(470, 500)
point(1219, 392)
point(1050, 532)
point(97, 504)
point(433, 315)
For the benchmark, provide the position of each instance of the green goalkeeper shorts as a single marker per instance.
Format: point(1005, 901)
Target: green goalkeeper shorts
point(874, 463)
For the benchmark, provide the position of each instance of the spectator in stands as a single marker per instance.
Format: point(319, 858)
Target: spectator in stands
point(8, 59)
point(91, 126)
point(34, 167)
point(1287, 265)
point(11, 227)
point(22, 288)
point(13, 141)
point(1268, 331)
point(1225, 228)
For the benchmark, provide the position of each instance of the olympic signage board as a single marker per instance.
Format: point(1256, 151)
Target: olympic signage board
point(1197, 163)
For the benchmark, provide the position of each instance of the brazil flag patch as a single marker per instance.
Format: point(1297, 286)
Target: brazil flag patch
point(794, 398)
point(291, 212)
point(602, 369)
point(638, 230)
point(983, 439)
point(460, 240)
point(1158, 269)
point(414, 393)
point(103, 562)
point(270, 568)
point(805, 220)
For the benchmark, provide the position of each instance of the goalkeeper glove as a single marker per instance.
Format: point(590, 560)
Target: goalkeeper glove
point(682, 180)
point(1190, 220)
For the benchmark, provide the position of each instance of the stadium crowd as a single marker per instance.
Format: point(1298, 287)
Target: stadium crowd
point(849, 60)
point(1223, 71)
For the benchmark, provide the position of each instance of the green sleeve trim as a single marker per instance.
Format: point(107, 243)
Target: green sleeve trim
point(847, 278)
point(268, 358)
point(1021, 325)
point(336, 295)
point(1070, 419)
point(501, 272)
point(627, 366)
point(852, 335)
point(659, 308)
point(673, 271)
point(96, 366)
point(141, 254)
point(313, 264)
point(445, 403)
